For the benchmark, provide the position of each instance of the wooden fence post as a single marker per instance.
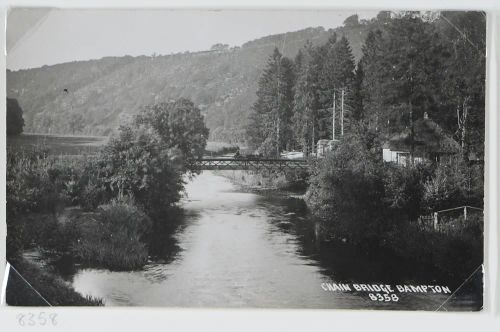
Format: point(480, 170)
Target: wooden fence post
point(465, 212)
point(435, 220)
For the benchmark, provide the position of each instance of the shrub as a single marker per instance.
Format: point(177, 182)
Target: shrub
point(36, 185)
point(404, 189)
point(37, 182)
point(135, 163)
point(114, 237)
point(347, 189)
point(458, 251)
point(15, 121)
point(454, 184)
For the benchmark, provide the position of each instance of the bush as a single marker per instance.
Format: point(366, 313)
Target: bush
point(37, 182)
point(114, 237)
point(454, 184)
point(457, 252)
point(404, 189)
point(93, 185)
point(347, 190)
point(15, 121)
point(37, 185)
point(135, 163)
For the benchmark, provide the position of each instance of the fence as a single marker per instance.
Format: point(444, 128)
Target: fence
point(452, 220)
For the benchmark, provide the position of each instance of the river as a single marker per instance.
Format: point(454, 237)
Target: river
point(237, 248)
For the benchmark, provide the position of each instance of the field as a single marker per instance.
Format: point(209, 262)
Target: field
point(58, 144)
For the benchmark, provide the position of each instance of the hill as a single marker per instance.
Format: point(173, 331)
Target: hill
point(94, 97)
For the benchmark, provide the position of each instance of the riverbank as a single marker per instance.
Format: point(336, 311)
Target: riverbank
point(234, 247)
point(30, 285)
point(456, 252)
point(268, 180)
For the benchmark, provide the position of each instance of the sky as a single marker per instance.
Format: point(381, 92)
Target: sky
point(37, 37)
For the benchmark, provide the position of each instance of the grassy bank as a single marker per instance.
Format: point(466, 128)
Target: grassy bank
point(20, 292)
point(114, 236)
point(109, 194)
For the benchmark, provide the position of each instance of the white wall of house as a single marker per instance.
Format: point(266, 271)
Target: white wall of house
point(399, 157)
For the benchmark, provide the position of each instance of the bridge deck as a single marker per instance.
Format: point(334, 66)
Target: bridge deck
point(248, 164)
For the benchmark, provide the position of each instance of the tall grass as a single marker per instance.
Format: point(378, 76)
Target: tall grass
point(39, 182)
point(114, 237)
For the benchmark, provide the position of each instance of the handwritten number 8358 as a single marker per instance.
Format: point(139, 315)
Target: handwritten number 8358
point(42, 319)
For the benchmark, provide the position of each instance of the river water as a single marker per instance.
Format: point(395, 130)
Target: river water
point(236, 248)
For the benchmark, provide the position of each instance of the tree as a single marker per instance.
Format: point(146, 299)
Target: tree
point(371, 89)
point(180, 126)
point(346, 188)
point(15, 121)
point(269, 130)
point(336, 76)
point(137, 163)
point(462, 101)
point(305, 99)
point(351, 21)
point(76, 123)
point(357, 94)
point(402, 66)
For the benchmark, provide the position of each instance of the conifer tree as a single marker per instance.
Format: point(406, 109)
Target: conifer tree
point(269, 129)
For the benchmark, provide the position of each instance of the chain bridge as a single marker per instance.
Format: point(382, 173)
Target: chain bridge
point(254, 164)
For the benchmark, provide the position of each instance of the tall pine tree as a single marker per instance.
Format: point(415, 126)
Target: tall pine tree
point(269, 130)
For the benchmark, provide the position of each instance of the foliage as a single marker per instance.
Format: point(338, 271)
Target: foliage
point(269, 130)
point(115, 237)
point(15, 121)
point(454, 184)
point(179, 125)
point(325, 76)
point(136, 163)
point(39, 185)
point(457, 253)
point(347, 189)
point(222, 84)
point(305, 99)
point(464, 78)
point(404, 189)
point(76, 123)
point(270, 179)
point(36, 182)
point(413, 65)
point(363, 199)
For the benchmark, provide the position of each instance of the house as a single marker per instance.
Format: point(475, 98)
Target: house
point(324, 146)
point(430, 144)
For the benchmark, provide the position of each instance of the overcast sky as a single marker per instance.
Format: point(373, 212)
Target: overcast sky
point(37, 37)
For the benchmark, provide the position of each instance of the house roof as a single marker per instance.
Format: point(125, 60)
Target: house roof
point(429, 137)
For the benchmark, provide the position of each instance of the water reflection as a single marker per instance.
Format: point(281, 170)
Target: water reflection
point(240, 249)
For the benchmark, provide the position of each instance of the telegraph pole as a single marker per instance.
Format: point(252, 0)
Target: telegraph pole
point(342, 116)
point(333, 117)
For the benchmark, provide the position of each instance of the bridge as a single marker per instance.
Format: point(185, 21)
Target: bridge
point(254, 164)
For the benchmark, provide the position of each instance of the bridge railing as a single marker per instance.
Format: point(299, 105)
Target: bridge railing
point(247, 164)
